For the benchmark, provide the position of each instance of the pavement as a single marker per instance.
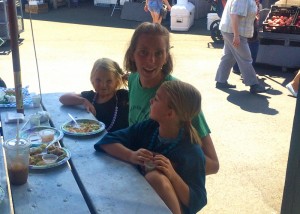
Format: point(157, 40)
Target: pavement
point(251, 133)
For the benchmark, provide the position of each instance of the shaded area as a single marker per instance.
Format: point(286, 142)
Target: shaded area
point(88, 14)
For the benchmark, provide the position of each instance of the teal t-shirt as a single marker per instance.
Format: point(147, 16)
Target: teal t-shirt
point(139, 104)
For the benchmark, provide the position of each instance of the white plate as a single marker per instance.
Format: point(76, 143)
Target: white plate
point(51, 165)
point(70, 123)
point(32, 135)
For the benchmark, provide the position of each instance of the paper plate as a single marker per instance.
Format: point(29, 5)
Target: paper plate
point(32, 134)
point(51, 165)
point(88, 127)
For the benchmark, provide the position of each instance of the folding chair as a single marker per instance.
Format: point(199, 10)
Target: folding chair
point(117, 6)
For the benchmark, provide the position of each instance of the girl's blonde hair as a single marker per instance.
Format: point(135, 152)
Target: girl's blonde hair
point(148, 28)
point(108, 65)
point(185, 100)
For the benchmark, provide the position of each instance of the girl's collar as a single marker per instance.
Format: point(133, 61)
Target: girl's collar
point(150, 86)
point(171, 140)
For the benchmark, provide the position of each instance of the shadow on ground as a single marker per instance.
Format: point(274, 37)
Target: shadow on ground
point(255, 103)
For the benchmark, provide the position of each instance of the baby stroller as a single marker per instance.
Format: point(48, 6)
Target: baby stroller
point(215, 33)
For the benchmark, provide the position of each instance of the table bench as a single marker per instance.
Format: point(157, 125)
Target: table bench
point(94, 183)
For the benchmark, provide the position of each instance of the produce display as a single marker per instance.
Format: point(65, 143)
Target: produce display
point(297, 22)
point(282, 20)
point(296, 28)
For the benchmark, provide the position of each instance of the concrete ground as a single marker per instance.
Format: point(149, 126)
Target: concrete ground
point(251, 133)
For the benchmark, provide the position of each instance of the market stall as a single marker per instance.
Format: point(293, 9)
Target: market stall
point(280, 36)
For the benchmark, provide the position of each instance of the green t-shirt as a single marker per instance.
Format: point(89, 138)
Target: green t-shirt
point(139, 104)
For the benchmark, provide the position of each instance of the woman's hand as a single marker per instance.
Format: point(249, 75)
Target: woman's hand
point(164, 165)
point(146, 8)
point(89, 106)
point(141, 156)
point(236, 41)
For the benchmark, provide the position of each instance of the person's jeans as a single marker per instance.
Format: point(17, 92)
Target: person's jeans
point(253, 45)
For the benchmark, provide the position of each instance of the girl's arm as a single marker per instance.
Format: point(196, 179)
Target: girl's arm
point(77, 99)
point(212, 163)
point(118, 150)
point(123, 153)
point(72, 99)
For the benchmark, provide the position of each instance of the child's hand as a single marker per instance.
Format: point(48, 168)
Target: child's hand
point(141, 156)
point(89, 107)
point(164, 165)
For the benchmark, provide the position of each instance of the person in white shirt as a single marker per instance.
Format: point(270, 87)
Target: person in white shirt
point(236, 27)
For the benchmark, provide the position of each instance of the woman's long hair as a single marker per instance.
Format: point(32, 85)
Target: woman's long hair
point(148, 28)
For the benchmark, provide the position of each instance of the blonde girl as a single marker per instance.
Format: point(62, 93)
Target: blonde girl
point(109, 100)
point(166, 148)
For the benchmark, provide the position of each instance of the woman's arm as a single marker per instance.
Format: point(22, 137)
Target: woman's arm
point(146, 6)
point(235, 28)
point(212, 162)
point(166, 2)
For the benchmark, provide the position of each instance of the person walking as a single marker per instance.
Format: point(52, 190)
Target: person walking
point(293, 86)
point(236, 27)
point(155, 7)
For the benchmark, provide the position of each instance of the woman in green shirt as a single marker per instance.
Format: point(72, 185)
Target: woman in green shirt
point(149, 60)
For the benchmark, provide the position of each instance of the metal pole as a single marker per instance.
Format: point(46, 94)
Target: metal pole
point(291, 194)
point(14, 34)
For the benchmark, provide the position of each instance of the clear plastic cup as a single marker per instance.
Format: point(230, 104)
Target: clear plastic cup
point(35, 120)
point(36, 101)
point(17, 160)
point(47, 135)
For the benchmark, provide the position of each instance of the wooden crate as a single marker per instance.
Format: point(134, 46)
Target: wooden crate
point(40, 8)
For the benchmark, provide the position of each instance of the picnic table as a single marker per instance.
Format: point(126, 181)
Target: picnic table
point(90, 182)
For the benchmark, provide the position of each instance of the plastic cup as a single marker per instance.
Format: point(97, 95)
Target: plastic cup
point(47, 135)
point(17, 160)
point(149, 166)
point(35, 120)
point(36, 101)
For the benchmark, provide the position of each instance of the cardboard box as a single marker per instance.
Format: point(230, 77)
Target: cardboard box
point(40, 8)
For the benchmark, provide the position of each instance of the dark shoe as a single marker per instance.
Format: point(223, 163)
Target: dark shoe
point(236, 72)
point(257, 88)
point(224, 85)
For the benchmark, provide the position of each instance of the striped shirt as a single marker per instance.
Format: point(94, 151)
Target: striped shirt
point(246, 10)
